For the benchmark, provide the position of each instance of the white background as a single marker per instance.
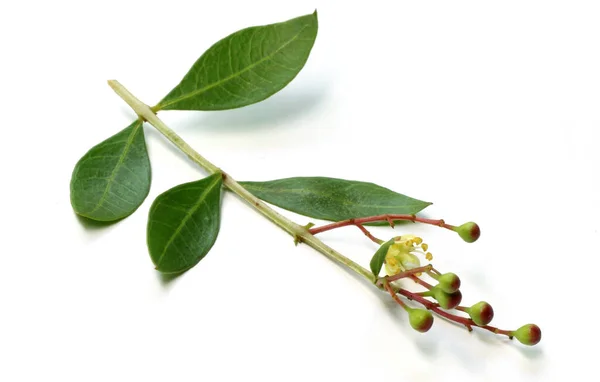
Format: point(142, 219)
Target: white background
point(491, 110)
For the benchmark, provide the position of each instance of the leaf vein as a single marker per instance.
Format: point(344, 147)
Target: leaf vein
point(117, 166)
point(235, 74)
point(188, 215)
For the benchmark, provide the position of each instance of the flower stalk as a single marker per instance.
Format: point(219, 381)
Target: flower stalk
point(469, 232)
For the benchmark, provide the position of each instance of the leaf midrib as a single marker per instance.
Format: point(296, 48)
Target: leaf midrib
point(187, 217)
point(323, 194)
point(232, 76)
point(113, 174)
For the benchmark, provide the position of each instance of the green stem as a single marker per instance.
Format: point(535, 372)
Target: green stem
point(300, 233)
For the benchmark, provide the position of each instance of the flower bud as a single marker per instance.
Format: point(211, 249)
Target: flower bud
point(447, 300)
point(481, 313)
point(421, 320)
point(529, 334)
point(448, 282)
point(469, 232)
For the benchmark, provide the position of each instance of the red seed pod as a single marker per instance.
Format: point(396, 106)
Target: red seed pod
point(421, 320)
point(449, 282)
point(469, 232)
point(447, 300)
point(529, 334)
point(481, 313)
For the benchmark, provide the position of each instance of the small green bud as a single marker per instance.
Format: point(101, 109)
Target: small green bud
point(469, 232)
point(481, 313)
point(529, 334)
point(448, 282)
point(447, 300)
point(421, 320)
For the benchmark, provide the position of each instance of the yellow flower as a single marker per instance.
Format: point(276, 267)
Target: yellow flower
point(401, 255)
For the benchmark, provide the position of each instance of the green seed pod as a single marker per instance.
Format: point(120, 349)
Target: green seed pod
point(469, 232)
point(481, 313)
point(448, 282)
point(421, 320)
point(529, 334)
point(447, 300)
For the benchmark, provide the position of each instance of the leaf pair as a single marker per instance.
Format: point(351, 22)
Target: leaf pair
point(184, 221)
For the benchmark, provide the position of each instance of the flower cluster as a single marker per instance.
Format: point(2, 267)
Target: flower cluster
point(401, 257)
point(402, 262)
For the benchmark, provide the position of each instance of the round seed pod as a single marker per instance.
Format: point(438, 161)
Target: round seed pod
point(421, 320)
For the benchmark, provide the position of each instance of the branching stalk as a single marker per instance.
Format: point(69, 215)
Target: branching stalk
point(298, 232)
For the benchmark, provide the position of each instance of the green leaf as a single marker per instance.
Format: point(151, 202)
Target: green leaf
point(245, 67)
point(333, 199)
point(183, 224)
point(112, 179)
point(379, 257)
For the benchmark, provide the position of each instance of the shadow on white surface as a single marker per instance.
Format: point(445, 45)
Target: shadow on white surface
point(275, 112)
point(168, 281)
point(95, 229)
point(532, 353)
point(94, 225)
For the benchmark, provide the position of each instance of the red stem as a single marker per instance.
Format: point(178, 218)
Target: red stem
point(408, 273)
point(388, 287)
point(390, 218)
point(368, 234)
point(419, 281)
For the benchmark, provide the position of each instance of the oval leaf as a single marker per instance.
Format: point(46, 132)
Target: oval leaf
point(245, 67)
point(379, 257)
point(183, 224)
point(333, 199)
point(112, 179)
